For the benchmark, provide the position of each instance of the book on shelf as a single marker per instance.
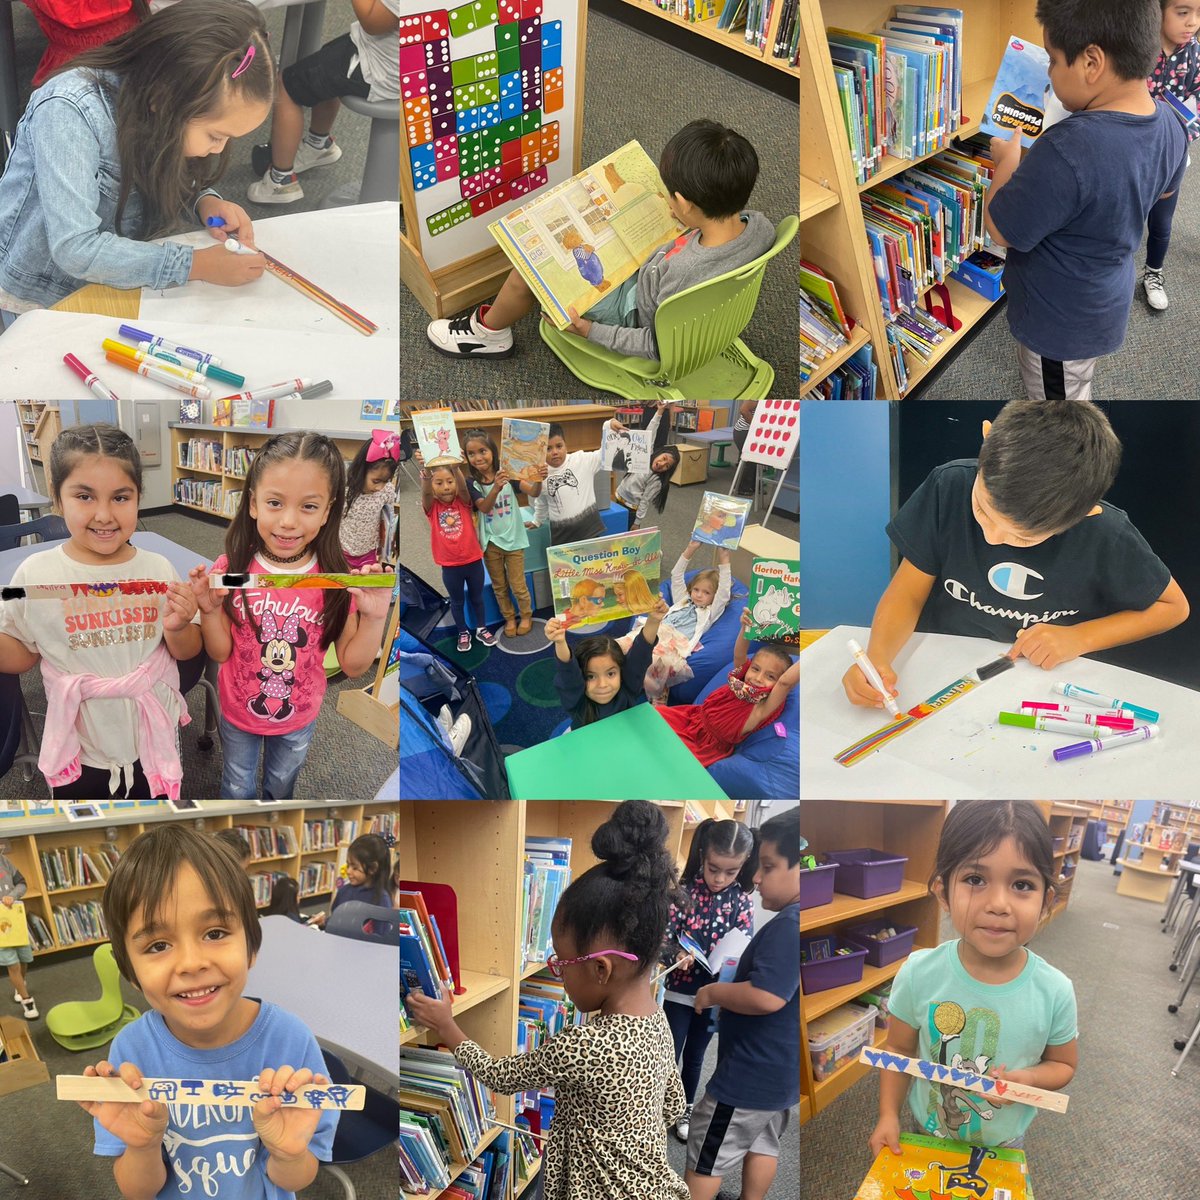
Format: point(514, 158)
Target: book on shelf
point(199, 493)
point(855, 379)
point(327, 834)
point(40, 937)
point(238, 460)
point(263, 882)
point(316, 878)
point(384, 823)
point(268, 841)
point(82, 922)
point(423, 961)
point(199, 455)
point(545, 875)
point(931, 1166)
point(78, 866)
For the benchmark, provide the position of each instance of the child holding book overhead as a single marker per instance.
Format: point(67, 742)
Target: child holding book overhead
point(746, 1103)
point(108, 662)
point(370, 489)
point(271, 643)
point(709, 172)
point(994, 877)
point(644, 493)
point(1072, 212)
point(614, 1079)
point(16, 958)
point(568, 495)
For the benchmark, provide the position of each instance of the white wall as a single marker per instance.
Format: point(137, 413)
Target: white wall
point(12, 457)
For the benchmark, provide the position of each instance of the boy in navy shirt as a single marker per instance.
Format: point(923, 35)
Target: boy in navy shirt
point(745, 1107)
point(1016, 546)
point(184, 932)
point(1072, 213)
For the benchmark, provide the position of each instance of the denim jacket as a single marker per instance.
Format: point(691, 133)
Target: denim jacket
point(58, 200)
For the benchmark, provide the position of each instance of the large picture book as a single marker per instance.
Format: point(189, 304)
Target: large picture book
point(1018, 98)
point(774, 600)
point(577, 241)
point(523, 448)
point(605, 578)
point(626, 449)
point(929, 1167)
point(437, 438)
point(14, 930)
point(721, 520)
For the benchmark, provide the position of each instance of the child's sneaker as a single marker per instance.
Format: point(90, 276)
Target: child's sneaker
point(30, 1008)
point(1156, 293)
point(486, 636)
point(16, 997)
point(468, 337)
point(464, 642)
point(267, 191)
point(309, 156)
point(459, 732)
point(684, 1125)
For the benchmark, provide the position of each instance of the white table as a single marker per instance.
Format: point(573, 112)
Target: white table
point(345, 991)
point(27, 500)
point(960, 751)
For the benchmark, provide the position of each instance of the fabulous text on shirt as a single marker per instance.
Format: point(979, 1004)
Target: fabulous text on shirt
point(959, 591)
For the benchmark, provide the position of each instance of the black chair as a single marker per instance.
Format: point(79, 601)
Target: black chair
point(10, 510)
point(359, 1134)
point(49, 528)
point(349, 920)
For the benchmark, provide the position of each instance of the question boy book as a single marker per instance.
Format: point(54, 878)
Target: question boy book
point(1018, 100)
point(721, 520)
point(523, 448)
point(774, 601)
point(932, 1169)
point(605, 578)
point(437, 438)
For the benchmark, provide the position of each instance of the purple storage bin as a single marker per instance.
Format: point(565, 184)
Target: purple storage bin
point(816, 886)
point(880, 954)
point(834, 971)
point(868, 873)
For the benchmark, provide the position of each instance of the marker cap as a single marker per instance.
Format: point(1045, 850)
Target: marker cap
point(1074, 750)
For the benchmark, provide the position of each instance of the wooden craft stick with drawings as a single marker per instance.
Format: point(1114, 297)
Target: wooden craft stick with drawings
point(322, 579)
point(239, 1093)
point(61, 591)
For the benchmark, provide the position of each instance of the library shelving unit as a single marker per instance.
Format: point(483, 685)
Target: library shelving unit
point(225, 440)
point(1067, 822)
point(1151, 875)
point(40, 425)
point(901, 827)
point(832, 232)
point(477, 847)
point(27, 838)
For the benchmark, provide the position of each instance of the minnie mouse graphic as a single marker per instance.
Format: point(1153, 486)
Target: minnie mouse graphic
point(278, 665)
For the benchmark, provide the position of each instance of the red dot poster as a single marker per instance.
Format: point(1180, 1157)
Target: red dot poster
point(774, 432)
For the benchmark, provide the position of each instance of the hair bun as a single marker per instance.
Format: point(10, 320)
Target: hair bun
point(631, 841)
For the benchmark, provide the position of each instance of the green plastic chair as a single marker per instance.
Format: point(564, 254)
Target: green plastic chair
point(701, 353)
point(85, 1024)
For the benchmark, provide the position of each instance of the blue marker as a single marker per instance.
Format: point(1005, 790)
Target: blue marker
point(149, 343)
point(1074, 692)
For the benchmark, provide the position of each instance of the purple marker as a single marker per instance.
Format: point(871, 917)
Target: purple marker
point(148, 342)
point(1142, 733)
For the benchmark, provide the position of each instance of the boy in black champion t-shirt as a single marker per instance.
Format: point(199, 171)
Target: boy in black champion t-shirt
point(1016, 546)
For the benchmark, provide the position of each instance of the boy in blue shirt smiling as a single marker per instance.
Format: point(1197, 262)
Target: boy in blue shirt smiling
point(185, 932)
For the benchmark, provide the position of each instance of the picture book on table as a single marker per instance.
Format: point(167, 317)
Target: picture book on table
point(931, 1169)
point(774, 601)
point(437, 438)
point(1019, 100)
point(603, 579)
point(523, 448)
point(721, 520)
point(577, 241)
point(625, 449)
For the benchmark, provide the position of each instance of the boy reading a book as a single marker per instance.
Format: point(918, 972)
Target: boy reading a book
point(185, 932)
point(1072, 213)
point(1016, 546)
point(709, 172)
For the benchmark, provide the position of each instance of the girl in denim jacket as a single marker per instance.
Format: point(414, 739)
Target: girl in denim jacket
point(124, 146)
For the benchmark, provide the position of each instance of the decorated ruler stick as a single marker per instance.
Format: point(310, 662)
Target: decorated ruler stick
point(242, 1093)
point(665, 972)
point(285, 274)
point(982, 1085)
point(60, 591)
point(233, 579)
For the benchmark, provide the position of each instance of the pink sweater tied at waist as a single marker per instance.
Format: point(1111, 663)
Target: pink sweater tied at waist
point(158, 750)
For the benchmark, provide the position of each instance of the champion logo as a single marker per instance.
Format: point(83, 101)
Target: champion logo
point(1014, 581)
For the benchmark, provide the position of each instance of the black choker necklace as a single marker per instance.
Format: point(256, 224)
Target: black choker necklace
point(286, 562)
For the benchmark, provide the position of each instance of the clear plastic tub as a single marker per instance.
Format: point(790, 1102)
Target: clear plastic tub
point(836, 1038)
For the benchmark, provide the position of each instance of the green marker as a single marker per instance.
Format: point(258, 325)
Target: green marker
point(1049, 724)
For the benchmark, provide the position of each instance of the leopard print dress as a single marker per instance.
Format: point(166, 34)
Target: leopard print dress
point(616, 1091)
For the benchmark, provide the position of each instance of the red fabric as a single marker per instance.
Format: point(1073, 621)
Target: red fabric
point(73, 26)
point(712, 730)
point(452, 537)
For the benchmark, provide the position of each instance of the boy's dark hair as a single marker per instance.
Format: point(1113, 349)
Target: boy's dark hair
point(285, 898)
point(782, 833)
point(242, 541)
point(175, 67)
point(146, 874)
point(359, 469)
point(776, 650)
point(975, 828)
point(556, 430)
point(712, 167)
point(82, 441)
point(232, 840)
point(1046, 463)
point(626, 897)
point(727, 838)
point(585, 650)
point(371, 852)
point(1128, 31)
point(482, 435)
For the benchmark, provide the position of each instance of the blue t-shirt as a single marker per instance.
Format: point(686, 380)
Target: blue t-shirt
point(1072, 215)
point(212, 1151)
point(363, 892)
point(961, 1022)
point(758, 1058)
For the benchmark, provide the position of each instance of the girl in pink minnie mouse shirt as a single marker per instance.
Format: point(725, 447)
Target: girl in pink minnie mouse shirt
point(271, 643)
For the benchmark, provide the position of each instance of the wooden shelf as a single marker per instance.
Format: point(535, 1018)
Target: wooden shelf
point(1137, 866)
point(820, 1003)
point(814, 198)
point(851, 908)
point(825, 1091)
point(858, 339)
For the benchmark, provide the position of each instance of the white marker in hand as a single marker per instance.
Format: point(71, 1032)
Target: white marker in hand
point(868, 669)
point(237, 248)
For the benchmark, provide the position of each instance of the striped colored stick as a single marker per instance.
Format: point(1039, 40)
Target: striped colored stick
point(294, 279)
point(322, 580)
point(880, 737)
point(61, 591)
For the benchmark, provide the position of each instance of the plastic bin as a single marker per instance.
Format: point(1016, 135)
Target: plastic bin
point(868, 873)
point(881, 953)
point(836, 1038)
point(881, 997)
point(1060, 844)
point(834, 970)
point(816, 886)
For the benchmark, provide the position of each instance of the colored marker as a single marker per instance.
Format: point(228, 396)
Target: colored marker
point(162, 376)
point(317, 389)
point(141, 336)
point(91, 381)
point(196, 371)
point(1143, 733)
point(236, 247)
point(171, 364)
point(1114, 718)
point(1073, 691)
point(867, 667)
point(274, 391)
point(1052, 724)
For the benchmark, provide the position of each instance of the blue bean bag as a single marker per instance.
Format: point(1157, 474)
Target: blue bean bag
point(716, 646)
point(765, 766)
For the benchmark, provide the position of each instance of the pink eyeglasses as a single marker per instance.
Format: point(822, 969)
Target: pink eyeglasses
point(556, 964)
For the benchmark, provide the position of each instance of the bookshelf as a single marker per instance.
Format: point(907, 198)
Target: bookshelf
point(911, 828)
point(28, 838)
point(40, 425)
point(1068, 823)
point(832, 232)
point(477, 847)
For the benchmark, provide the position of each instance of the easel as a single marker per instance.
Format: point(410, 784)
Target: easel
point(379, 718)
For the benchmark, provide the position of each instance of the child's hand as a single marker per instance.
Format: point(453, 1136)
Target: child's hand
point(1000, 1071)
point(217, 265)
point(372, 603)
point(685, 959)
point(8, 901)
point(542, 471)
point(580, 326)
point(1048, 646)
point(137, 1125)
point(237, 220)
point(500, 480)
point(704, 997)
point(1006, 152)
point(885, 1133)
point(692, 547)
point(556, 630)
point(433, 1014)
point(285, 1131)
point(181, 607)
point(858, 687)
point(208, 599)
point(420, 459)
point(658, 609)
point(723, 557)
point(317, 920)
point(746, 621)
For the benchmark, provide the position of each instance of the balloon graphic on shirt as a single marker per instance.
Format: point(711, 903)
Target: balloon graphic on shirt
point(949, 1018)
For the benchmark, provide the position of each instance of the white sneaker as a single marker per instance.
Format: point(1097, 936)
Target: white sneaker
point(308, 156)
point(267, 191)
point(684, 1125)
point(468, 337)
point(459, 732)
point(1156, 293)
point(30, 1008)
point(16, 997)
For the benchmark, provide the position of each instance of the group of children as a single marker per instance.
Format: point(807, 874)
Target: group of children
point(110, 666)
